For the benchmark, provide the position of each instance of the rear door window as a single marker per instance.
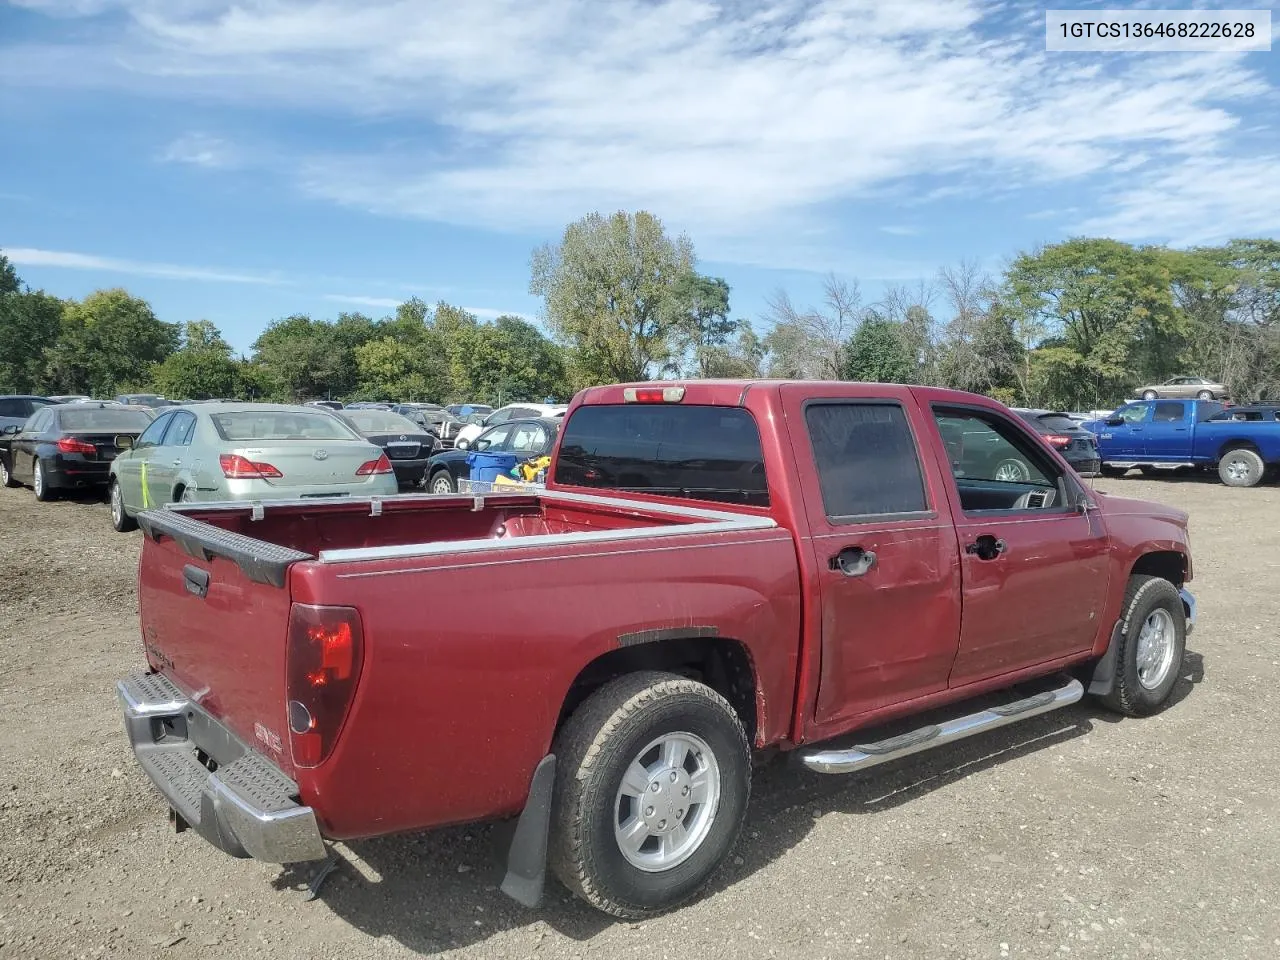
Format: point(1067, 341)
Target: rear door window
point(1169, 411)
point(528, 438)
point(694, 452)
point(181, 426)
point(866, 459)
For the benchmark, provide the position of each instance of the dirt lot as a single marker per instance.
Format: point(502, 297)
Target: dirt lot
point(1072, 834)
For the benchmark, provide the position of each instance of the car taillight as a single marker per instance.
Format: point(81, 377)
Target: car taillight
point(1058, 442)
point(75, 445)
point(371, 467)
point(322, 666)
point(236, 467)
point(653, 394)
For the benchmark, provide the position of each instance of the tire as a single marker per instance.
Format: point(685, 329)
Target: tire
point(1143, 683)
point(1149, 395)
point(5, 476)
point(120, 518)
point(40, 484)
point(1014, 469)
point(1204, 395)
point(442, 482)
point(623, 726)
point(1241, 467)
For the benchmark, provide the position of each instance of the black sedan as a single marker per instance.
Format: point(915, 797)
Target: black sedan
point(68, 446)
point(406, 444)
point(1077, 446)
point(526, 439)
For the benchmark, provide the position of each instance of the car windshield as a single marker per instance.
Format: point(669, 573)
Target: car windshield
point(106, 418)
point(1055, 422)
point(381, 421)
point(280, 425)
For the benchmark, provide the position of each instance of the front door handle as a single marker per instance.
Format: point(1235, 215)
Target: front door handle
point(853, 561)
point(986, 547)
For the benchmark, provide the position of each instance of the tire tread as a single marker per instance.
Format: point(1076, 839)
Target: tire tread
point(1122, 697)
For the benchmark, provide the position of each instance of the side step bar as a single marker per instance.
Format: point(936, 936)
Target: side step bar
point(864, 755)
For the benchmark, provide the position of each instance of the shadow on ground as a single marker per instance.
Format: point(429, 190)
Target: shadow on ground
point(439, 891)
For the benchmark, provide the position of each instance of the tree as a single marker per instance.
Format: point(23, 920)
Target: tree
point(808, 344)
point(608, 289)
point(700, 307)
point(743, 357)
point(499, 362)
point(108, 341)
point(30, 323)
point(9, 282)
point(978, 349)
point(202, 368)
point(878, 352)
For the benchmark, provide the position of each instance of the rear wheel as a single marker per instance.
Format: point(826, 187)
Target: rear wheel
point(442, 482)
point(1149, 394)
point(5, 476)
point(40, 483)
point(1241, 468)
point(120, 518)
point(652, 780)
point(1204, 395)
point(1152, 642)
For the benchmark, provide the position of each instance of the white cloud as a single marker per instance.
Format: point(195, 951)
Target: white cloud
point(28, 256)
point(739, 120)
point(201, 150)
point(387, 302)
point(897, 230)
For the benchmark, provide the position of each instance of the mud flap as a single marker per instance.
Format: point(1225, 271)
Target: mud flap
point(1103, 680)
point(527, 857)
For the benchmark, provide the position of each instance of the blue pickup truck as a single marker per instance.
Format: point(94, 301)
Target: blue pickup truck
point(1169, 434)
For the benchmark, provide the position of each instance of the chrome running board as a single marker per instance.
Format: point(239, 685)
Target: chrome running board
point(864, 755)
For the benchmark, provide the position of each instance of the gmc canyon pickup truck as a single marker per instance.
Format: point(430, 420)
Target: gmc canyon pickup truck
point(714, 568)
point(1156, 435)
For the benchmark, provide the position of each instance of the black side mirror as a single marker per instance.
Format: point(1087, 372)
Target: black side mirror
point(1114, 421)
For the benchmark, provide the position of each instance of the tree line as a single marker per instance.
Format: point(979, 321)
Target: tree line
point(1071, 325)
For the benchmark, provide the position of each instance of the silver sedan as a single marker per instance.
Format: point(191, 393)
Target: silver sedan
point(244, 451)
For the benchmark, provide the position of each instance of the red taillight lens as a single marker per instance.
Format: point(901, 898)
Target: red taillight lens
point(326, 650)
point(236, 467)
point(1058, 442)
point(75, 445)
point(371, 467)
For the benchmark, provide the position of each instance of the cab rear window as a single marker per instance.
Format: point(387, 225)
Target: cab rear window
point(689, 451)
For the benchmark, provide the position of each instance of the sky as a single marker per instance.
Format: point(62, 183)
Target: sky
point(243, 161)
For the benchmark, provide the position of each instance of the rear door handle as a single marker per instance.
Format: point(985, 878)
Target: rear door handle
point(853, 561)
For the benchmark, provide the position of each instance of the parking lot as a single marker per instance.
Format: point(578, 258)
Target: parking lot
point(1073, 834)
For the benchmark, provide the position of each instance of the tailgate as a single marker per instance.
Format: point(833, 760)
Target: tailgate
point(214, 608)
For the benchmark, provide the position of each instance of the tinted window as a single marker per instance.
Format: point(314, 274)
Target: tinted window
point(181, 426)
point(1052, 423)
point(252, 425)
point(104, 418)
point(39, 422)
point(1168, 411)
point(866, 459)
point(380, 421)
point(14, 407)
point(698, 452)
point(1206, 409)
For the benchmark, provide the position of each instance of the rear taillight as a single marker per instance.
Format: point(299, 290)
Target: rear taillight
point(1058, 442)
point(236, 467)
point(75, 445)
point(371, 467)
point(322, 666)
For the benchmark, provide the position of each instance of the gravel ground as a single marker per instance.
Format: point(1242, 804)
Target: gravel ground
point(1073, 834)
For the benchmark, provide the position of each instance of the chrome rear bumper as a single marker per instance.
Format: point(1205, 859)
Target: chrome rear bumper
point(237, 800)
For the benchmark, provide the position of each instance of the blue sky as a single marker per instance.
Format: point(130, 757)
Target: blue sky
point(243, 161)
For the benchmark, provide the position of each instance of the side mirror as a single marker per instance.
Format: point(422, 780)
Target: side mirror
point(11, 430)
point(482, 444)
point(1114, 421)
point(123, 441)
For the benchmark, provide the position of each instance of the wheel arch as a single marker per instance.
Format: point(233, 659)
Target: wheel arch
point(1238, 443)
point(1171, 565)
point(722, 663)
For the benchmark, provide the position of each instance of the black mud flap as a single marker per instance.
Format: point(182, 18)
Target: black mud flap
point(1103, 680)
point(527, 857)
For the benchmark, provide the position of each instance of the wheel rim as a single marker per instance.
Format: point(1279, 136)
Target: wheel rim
point(37, 481)
point(1238, 468)
point(1012, 470)
point(1149, 395)
point(441, 485)
point(1205, 395)
point(117, 505)
point(1156, 644)
point(667, 802)
point(4, 473)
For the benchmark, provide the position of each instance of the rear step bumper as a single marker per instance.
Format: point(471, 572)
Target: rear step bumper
point(245, 807)
point(865, 755)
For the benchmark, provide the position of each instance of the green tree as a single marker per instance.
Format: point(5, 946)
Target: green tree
point(700, 312)
point(608, 289)
point(298, 359)
point(109, 340)
point(30, 324)
point(741, 357)
point(9, 282)
point(878, 352)
point(202, 368)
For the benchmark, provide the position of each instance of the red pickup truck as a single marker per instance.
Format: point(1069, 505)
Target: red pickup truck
point(713, 568)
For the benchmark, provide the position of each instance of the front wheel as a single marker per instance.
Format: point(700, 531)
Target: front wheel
point(1152, 642)
point(653, 774)
point(120, 518)
point(1241, 468)
point(5, 476)
point(40, 483)
point(1149, 394)
point(1204, 395)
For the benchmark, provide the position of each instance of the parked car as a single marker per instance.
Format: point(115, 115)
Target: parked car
point(469, 409)
point(514, 411)
point(1064, 433)
point(244, 451)
point(764, 565)
point(406, 444)
point(69, 397)
point(17, 408)
point(1159, 435)
point(68, 446)
point(327, 404)
point(525, 439)
point(1197, 387)
point(144, 399)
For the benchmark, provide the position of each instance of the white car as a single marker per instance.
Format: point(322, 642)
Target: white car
point(512, 411)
